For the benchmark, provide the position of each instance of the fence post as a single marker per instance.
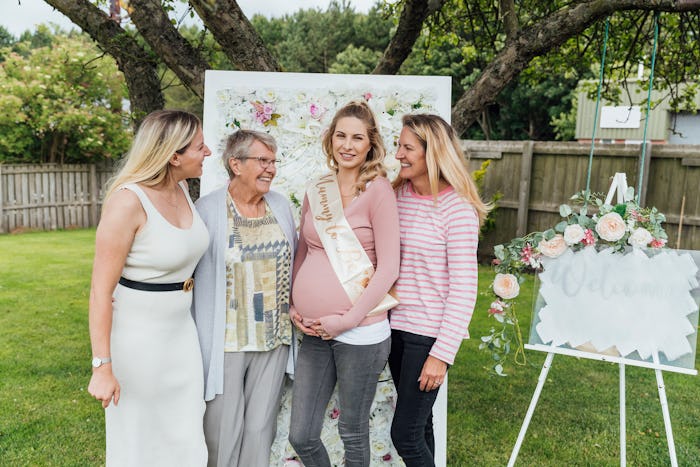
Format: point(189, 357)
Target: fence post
point(647, 166)
point(2, 204)
point(524, 188)
point(93, 195)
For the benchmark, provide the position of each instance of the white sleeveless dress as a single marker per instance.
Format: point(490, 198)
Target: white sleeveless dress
point(155, 350)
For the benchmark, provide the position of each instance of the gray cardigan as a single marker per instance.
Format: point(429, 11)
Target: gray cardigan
point(209, 301)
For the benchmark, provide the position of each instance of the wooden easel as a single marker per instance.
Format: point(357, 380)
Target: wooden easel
point(619, 185)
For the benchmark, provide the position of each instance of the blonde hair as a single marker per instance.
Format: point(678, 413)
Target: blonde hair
point(238, 145)
point(443, 157)
point(374, 163)
point(161, 134)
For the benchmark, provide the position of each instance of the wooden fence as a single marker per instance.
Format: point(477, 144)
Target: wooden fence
point(534, 178)
point(51, 196)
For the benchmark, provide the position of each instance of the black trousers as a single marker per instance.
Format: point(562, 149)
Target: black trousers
point(412, 427)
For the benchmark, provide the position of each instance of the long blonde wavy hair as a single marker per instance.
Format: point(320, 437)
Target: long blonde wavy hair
point(374, 164)
point(443, 157)
point(161, 134)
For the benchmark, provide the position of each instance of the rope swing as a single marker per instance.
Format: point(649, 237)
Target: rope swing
point(648, 108)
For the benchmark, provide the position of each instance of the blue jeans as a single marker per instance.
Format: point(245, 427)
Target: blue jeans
point(412, 427)
point(356, 369)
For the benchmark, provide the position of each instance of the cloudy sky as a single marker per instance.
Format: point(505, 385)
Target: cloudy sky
point(20, 15)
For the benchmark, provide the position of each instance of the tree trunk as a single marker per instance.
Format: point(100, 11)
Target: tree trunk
point(410, 26)
point(177, 53)
point(237, 37)
point(134, 61)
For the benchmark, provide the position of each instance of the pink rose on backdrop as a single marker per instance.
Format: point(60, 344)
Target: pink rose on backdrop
point(316, 111)
point(573, 234)
point(553, 247)
point(367, 96)
point(611, 227)
point(640, 238)
point(506, 286)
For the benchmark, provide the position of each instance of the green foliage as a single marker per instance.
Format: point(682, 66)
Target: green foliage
point(6, 37)
point(60, 102)
point(479, 176)
point(310, 40)
point(355, 60)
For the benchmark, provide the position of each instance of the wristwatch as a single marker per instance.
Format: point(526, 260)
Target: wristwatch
point(99, 361)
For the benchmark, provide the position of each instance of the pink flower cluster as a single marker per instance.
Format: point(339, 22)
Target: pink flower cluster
point(588, 238)
point(638, 217)
point(263, 112)
point(335, 413)
point(497, 307)
point(526, 253)
point(657, 243)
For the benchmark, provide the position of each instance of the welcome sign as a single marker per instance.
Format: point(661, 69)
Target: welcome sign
point(640, 307)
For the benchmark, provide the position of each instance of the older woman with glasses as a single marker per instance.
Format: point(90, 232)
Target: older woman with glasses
point(241, 303)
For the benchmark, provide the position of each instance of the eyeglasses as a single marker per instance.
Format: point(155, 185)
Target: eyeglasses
point(264, 162)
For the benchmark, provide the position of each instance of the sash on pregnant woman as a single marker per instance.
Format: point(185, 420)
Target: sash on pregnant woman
point(347, 256)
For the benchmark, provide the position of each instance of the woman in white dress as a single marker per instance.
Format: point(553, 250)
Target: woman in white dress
point(147, 367)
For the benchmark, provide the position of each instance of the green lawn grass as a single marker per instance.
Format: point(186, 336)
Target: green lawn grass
point(47, 417)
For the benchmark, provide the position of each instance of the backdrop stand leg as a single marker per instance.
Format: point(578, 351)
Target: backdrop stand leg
point(667, 416)
point(623, 418)
point(533, 403)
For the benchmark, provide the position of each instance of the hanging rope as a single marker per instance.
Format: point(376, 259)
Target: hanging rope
point(646, 121)
point(595, 114)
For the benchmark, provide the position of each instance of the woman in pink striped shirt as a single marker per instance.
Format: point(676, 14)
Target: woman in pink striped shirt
point(440, 212)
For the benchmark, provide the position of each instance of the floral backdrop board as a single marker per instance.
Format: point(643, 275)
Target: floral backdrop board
point(296, 109)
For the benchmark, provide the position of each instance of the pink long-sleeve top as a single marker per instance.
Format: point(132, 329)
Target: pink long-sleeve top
point(317, 292)
point(437, 285)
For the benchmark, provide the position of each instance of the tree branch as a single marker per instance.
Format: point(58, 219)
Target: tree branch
point(413, 15)
point(237, 37)
point(509, 18)
point(185, 61)
point(134, 61)
point(537, 40)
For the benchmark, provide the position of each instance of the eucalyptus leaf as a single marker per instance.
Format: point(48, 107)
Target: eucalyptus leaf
point(561, 226)
point(564, 210)
point(499, 251)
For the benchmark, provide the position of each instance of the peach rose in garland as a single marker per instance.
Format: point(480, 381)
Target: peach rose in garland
point(553, 247)
point(611, 227)
point(506, 286)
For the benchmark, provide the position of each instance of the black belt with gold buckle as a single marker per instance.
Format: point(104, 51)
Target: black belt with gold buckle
point(152, 287)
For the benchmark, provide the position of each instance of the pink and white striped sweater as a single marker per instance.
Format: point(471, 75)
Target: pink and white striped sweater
point(437, 283)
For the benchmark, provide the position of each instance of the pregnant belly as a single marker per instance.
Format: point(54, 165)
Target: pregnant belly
point(317, 291)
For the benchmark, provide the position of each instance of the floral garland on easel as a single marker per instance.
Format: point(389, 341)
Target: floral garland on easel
point(612, 226)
